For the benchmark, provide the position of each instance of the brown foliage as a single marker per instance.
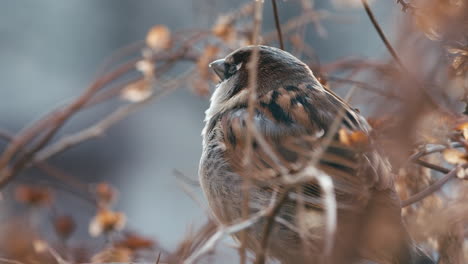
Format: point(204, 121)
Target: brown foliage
point(425, 135)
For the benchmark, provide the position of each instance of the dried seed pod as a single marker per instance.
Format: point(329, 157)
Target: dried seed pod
point(137, 91)
point(106, 221)
point(32, 195)
point(158, 38)
point(64, 226)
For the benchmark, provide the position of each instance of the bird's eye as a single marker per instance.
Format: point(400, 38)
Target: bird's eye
point(229, 69)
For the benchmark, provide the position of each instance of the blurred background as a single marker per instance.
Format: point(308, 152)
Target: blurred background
point(51, 50)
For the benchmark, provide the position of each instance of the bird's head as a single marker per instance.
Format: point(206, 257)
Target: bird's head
point(275, 69)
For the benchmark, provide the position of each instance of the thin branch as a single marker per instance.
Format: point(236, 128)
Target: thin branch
point(57, 173)
point(277, 24)
point(405, 6)
point(265, 146)
point(44, 129)
point(309, 174)
point(419, 86)
point(10, 261)
point(103, 125)
point(366, 87)
point(159, 257)
point(432, 166)
point(431, 148)
point(381, 33)
point(268, 226)
point(433, 188)
point(294, 23)
point(334, 127)
point(91, 132)
point(187, 188)
point(225, 231)
point(252, 90)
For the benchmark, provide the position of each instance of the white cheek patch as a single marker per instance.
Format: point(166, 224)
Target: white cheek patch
point(319, 133)
point(238, 66)
point(220, 102)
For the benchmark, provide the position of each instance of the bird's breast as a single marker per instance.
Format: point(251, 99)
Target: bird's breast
point(221, 186)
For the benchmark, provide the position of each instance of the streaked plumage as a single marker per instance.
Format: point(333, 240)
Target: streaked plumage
point(293, 114)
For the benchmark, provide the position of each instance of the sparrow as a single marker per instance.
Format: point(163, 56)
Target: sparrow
point(294, 114)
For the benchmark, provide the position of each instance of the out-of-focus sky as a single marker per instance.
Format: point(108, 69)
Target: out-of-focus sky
point(50, 51)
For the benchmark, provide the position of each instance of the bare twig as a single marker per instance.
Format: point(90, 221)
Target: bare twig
point(431, 148)
point(159, 257)
point(10, 261)
point(268, 226)
point(432, 166)
point(252, 90)
point(225, 231)
point(294, 23)
point(188, 189)
point(405, 6)
point(56, 173)
point(43, 130)
point(419, 86)
point(309, 174)
point(104, 124)
point(334, 127)
point(381, 33)
point(278, 24)
point(434, 187)
point(366, 87)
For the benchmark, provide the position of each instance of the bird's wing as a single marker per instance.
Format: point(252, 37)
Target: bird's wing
point(294, 123)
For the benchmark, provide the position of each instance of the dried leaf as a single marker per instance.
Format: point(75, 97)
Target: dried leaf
point(106, 221)
point(359, 138)
point(462, 173)
point(135, 242)
point(40, 246)
point(64, 226)
point(106, 194)
point(463, 127)
point(113, 254)
point(458, 51)
point(442, 19)
point(158, 38)
point(353, 138)
point(224, 29)
point(35, 196)
point(344, 136)
point(208, 55)
point(146, 67)
point(137, 91)
point(455, 156)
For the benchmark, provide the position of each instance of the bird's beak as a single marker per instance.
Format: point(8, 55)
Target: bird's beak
point(218, 67)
